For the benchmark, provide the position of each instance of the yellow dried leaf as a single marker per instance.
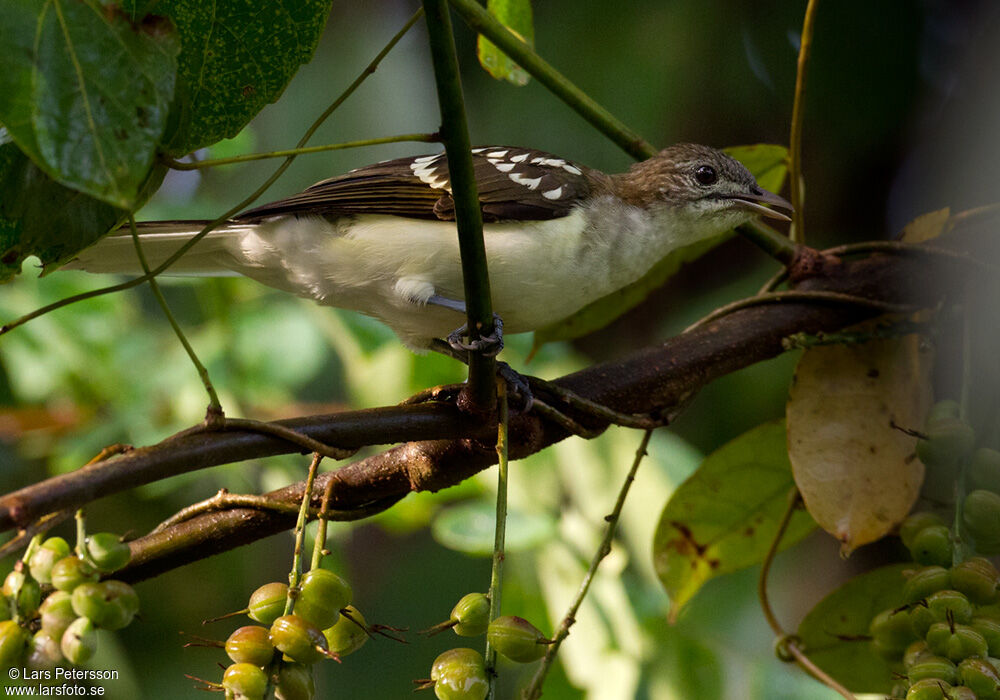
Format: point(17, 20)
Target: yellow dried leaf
point(858, 475)
point(927, 226)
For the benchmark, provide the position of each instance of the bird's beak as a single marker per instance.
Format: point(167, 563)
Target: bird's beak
point(755, 201)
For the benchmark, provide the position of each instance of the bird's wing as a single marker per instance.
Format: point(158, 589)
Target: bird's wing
point(513, 184)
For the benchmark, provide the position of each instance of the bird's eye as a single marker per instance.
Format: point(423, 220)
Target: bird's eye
point(705, 175)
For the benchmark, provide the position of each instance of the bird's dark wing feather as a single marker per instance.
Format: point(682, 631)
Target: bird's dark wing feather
point(513, 184)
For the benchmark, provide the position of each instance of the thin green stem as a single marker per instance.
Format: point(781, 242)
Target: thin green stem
point(81, 534)
point(770, 241)
point(798, 109)
point(480, 20)
point(500, 535)
point(214, 405)
point(239, 207)
point(534, 689)
point(468, 215)
point(216, 162)
point(300, 534)
point(319, 544)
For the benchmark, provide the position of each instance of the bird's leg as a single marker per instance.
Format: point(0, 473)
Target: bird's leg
point(490, 345)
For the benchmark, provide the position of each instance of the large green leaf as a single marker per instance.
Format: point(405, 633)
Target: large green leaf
point(725, 515)
point(85, 92)
point(516, 16)
point(835, 633)
point(767, 162)
point(236, 57)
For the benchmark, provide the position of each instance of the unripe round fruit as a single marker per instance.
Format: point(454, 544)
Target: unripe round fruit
point(914, 523)
point(123, 594)
point(294, 682)
point(924, 581)
point(460, 674)
point(79, 641)
point(298, 639)
point(41, 562)
point(949, 440)
point(933, 667)
point(980, 676)
point(520, 641)
point(990, 629)
point(347, 636)
point(960, 692)
point(942, 602)
point(267, 603)
point(107, 551)
point(981, 515)
point(250, 645)
point(24, 591)
point(89, 602)
point(890, 632)
point(471, 615)
point(977, 578)
point(43, 651)
point(69, 572)
point(13, 640)
point(955, 642)
point(57, 613)
point(927, 689)
point(244, 681)
point(321, 596)
point(945, 408)
point(984, 469)
point(915, 652)
point(932, 545)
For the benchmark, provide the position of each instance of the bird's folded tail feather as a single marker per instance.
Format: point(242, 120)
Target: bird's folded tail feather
point(209, 257)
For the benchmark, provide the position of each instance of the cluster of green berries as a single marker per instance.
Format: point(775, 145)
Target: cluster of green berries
point(322, 624)
point(52, 607)
point(460, 674)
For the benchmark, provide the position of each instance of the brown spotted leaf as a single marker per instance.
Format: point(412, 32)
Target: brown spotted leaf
point(858, 474)
point(724, 516)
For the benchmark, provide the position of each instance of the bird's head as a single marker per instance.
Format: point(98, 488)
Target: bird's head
point(704, 183)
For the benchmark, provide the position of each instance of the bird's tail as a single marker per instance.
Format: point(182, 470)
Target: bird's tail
point(115, 253)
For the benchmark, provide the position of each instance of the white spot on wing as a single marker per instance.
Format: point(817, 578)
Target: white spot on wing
point(504, 167)
point(424, 159)
point(572, 169)
point(554, 162)
point(497, 154)
point(530, 182)
point(553, 194)
point(518, 158)
point(479, 150)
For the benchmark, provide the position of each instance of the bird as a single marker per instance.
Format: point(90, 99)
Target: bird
point(381, 239)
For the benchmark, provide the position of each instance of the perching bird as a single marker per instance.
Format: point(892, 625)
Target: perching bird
point(381, 239)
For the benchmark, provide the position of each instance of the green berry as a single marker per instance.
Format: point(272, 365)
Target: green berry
point(121, 606)
point(520, 641)
point(24, 591)
point(244, 682)
point(949, 440)
point(122, 593)
point(43, 651)
point(471, 615)
point(955, 641)
point(298, 639)
point(984, 469)
point(13, 641)
point(914, 523)
point(88, 601)
point(990, 629)
point(924, 581)
point(79, 641)
point(981, 515)
point(977, 578)
point(960, 692)
point(981, 676)
point(69, 572)
point(346, 636)
point(945, 408)
point(250, 645)
point(108, 552)
point(57, 613)
point(460, 674)
point(933, 667)
point(294, 682)
point(927, 689)
point(890, 632)
point(267, 603)
point(916, 651)
point(41, 562)
point(932, 545)
point(321, 596)
point(943, 602)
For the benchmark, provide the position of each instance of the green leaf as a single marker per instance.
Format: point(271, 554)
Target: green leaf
point(516, 16)
point(834, 633)
point(469, 528)
point(767, 163)
point(86, 93)
point(236, 57)
point(724, 517)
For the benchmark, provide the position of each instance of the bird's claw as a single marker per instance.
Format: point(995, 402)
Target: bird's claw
point(489, 345)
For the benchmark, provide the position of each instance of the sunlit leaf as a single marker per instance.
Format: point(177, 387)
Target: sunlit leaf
point(85, 92)
point(724, 517)
point(856, 470)
point(470, 527)
point(835, 633)
point(767, 162)
point(516, 16)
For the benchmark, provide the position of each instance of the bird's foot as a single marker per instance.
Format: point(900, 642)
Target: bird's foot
point(489, 345)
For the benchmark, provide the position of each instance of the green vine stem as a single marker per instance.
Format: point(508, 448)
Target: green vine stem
point(468, 215)
point(319, 544)
point(300, 535)
point(500, 533)
point(534, 690)
point(798, 109)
